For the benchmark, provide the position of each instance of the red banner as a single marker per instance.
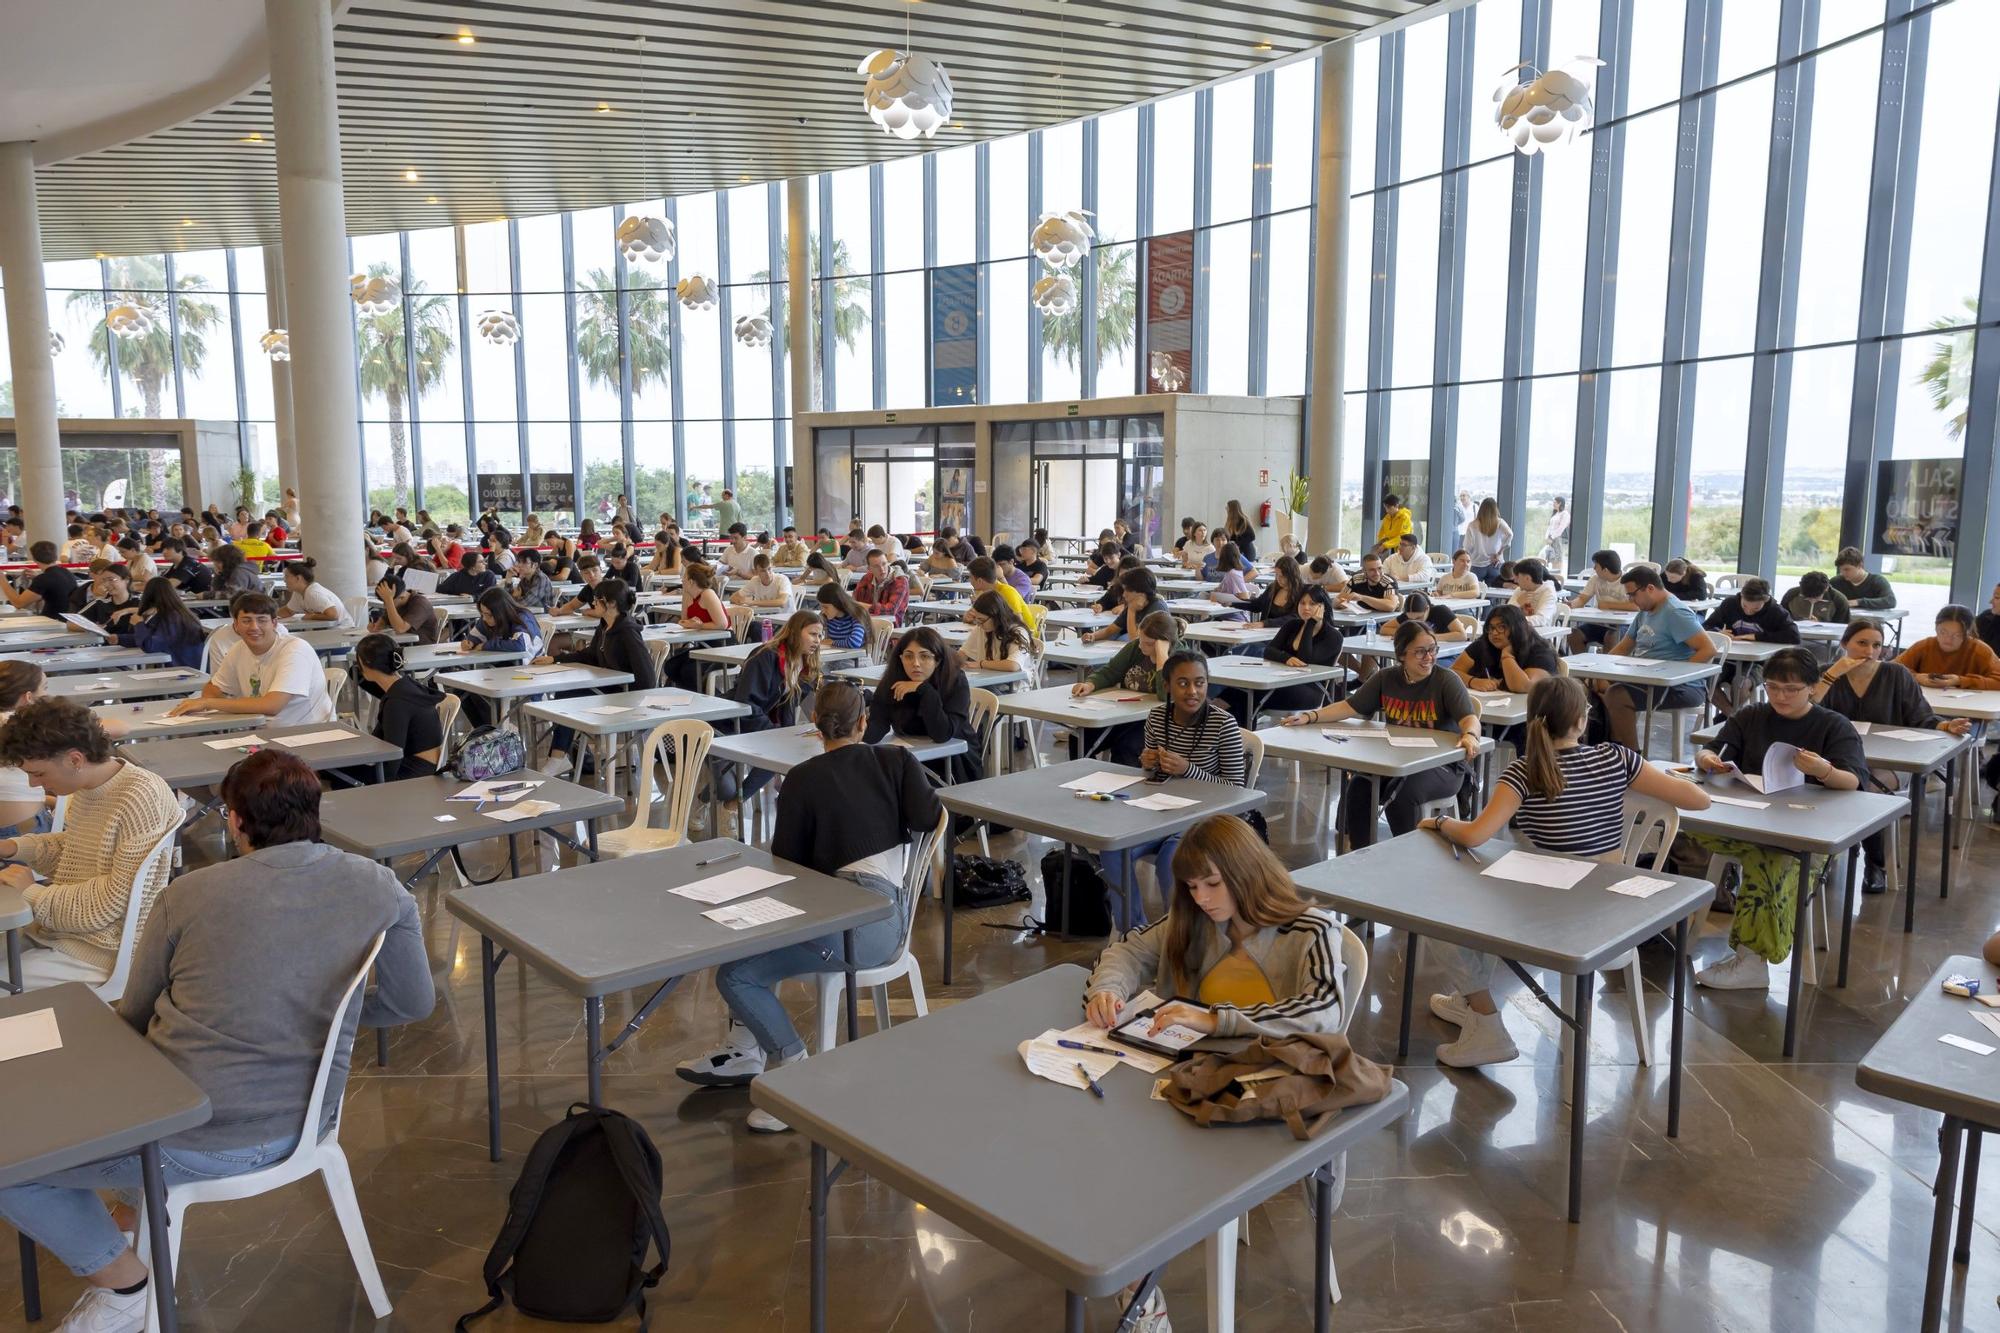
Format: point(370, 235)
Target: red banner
point(1170, 313)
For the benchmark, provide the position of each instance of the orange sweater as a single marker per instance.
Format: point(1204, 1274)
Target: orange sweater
point(1974, 663)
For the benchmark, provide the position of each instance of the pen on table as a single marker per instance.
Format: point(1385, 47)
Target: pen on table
point(1455, 848)
point(1067, 1044)
point(1090, 1082)
point(717, 860)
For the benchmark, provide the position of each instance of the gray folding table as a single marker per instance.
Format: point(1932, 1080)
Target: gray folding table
point(509, 686)
point(1259, 679)
point(193, 761)
point(1089, 718)
point(1909, 1064)
point(391, 819)
point(87, 655)
point(1651, 675)
point(148, 721)
point(613, 926)
point(146, 683)
point(1163, 1182)
point(1364, 750)
point(605, 721)
point(1414, 883)
point(107, 1092)
point(979, 678)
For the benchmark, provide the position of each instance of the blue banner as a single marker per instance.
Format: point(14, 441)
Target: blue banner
point(955, 335)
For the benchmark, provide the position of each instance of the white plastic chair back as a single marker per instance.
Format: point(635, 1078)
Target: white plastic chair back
point(357, 610)
point(659, 648)
point(336, 686)
point(208, 655)
point(681, 744)
point(919, 862)
point(740, 620)
point(985, 708)
point(1253, 756)
point(61, 812)
point(112, 988)
point(1354, 975)
point(880, 629)
point(1649, 827)
point(447, 718)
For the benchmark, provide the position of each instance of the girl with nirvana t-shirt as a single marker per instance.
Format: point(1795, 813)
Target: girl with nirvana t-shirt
point(1566, 798)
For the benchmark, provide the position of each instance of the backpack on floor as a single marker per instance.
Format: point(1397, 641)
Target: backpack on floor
point(489, 752)
point(986, 881)
point(1090, 896)
point(579, 1223)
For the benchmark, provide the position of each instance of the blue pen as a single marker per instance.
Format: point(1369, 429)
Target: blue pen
point(1067, 1044)
point(1095, 1091)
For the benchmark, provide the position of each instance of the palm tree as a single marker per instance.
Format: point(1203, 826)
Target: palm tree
point(1117, 309)
point(1948, 374)
point(148, 359)
point(382, 350)
point(850, 313)
point(597, 331)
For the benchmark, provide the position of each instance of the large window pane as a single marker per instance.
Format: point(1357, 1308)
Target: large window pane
point(1496, 46)
point(1416, 283)
point(1934, 370)
point(1008, 331)
point(1229, 309)
point(1289, 261)
point(1630, 440)
point(1638, 323)
point(1733, 256)
point(1715, 468)
point(904, 325)
point(1551, 465)
point(1062, 167)
point(1655, 73)
point(1173, 164)
point(1117, 175)
point(1294, 113)
point(1815, 443)
point(1117, 318)
point(1486, 204)
point(1478, 463)
point(902, 214)
point(1367, 90)
point(1007, 221)
point(1559, 281)
point(1423, 98)
point(1836, 202)
point(1949, 221)
point(1231, 160)
point(957, 187)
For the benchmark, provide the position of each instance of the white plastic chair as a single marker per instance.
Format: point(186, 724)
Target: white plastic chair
point(682, 745)
point(357, 610)
point(336, 686)
point(880, 630)
point(112, 988)
point(313, 1154)
point(919, 859)
point(1648, 828)
point(448, 712)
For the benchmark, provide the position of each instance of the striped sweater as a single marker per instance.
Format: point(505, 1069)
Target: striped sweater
point(1301, 958)
point(89, 867)
point(1212, 745)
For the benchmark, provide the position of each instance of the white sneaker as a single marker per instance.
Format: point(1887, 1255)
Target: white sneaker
point(1742, 970)
point(1152, 1316)
point(556, 765)
point(102, 1310)
point(1482, 1040)
point(730, 1065)
point(762, 1121)
point(1452, 1009)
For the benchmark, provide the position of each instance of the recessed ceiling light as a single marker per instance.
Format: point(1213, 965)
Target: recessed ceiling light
point(604, 108)
point(465, 37)
point(187, 222)
point(410, 175)
point(253, 137)
point(430, 198)
point(742, 178)
point(102, 255)
point(1114, 23)
point(1261, 46)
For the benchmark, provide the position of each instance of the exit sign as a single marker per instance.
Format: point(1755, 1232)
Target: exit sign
point(1072, 409)
point(888, 416)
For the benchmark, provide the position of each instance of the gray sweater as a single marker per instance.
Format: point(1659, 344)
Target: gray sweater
point(240, 966)
point(1301, 958)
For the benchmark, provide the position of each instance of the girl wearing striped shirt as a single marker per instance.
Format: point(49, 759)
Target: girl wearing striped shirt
point(1565, 798)
point(1189, 736)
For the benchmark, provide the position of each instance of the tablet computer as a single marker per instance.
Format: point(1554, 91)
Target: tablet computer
point(1171, 1041)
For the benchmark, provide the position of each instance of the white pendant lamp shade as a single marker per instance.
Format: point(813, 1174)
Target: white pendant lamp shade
point(56, 343)
point(375, 296)
point(908, 95)
point(1545, 109)
point(646, 240)
point(1167, 373)
point(1060, 240)
point(1055, 294)
point(129, 320)
point(696, 292)
point(499, 327)
point(753, 330)
point(277, 344)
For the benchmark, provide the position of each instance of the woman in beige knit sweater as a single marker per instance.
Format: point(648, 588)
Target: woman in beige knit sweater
point(117, 812)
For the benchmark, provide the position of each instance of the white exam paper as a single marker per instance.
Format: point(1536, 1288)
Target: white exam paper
point(1987, 1021)
point(1160, 800)
point(1091, 1035)
point(1737, 800)
point(524, 810)
point(86, 625)
point(29, 1034)
point(1966, 1044)
point(1105, 782)
point(423, 581)
point(1905, 734)
point(236, 742)
point(608, 710)
point(486, 791)
point(1640, 886)
point(1555, 872)
point(756, 912)
point(314, 738)
point(161, 673)
point(730, 884)
point(1056, 1064)
point(1413, 742)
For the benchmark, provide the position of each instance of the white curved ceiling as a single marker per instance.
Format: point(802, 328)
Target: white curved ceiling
point(563, 104)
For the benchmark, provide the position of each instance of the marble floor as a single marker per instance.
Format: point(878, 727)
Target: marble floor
point(1791, 1200)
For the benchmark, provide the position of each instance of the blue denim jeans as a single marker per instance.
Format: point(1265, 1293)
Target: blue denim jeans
point(63, 1214)
point(749, 986)
point(1121, 872)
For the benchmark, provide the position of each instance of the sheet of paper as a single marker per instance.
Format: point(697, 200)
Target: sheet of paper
point(86, 625)
point(1098, 1064)
point(1987, 1021)
point(524, 810)
point(672, 700)
point(1555, 872)
point(29, 1034)
point(1106, 782)
point(445, 819)
point(1413, 742)
point(1966, 1044)
point(608, 710)
point(1160, 800)
point(160, 673)
point(314, 738)
point(236, 742)
point(756, 912)
point(730, 884)
point(1738, 800)
point(1640, 886)
point(1862, 728)
point(497, 789)
point(206, 715)
point(1781, 769)
point(423, 581)
point(1091, 1035)
point(1905, 734)
point(1052, 1063)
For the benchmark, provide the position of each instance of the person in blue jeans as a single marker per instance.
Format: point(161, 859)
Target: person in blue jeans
point(849, 812)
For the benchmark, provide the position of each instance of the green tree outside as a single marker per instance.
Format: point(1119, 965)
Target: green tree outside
point(383, 352)
point(1117, 308)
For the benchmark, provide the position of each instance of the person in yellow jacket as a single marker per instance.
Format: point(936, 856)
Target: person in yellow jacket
point(1396, 521)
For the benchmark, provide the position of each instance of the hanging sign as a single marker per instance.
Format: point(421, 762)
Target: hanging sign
point(955, 335)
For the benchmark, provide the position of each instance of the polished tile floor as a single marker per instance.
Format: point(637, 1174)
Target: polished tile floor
point(1791, 1200)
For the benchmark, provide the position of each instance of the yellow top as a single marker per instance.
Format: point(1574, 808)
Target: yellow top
point(253, 548)
point(1394, 526)
point(1236, 980)
point(1030, 616)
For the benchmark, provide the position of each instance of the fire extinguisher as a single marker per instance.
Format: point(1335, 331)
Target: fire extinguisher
point(1264, 514)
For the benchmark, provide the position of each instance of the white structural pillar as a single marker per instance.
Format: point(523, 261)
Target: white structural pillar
point(1329, 297)
point(312, 221)
point(799, 329)
point(37, 440)
point(281, 371)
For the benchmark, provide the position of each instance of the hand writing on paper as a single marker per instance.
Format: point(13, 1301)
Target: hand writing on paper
point(1710, 762)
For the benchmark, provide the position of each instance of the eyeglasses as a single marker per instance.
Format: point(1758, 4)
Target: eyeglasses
point(1425, 653)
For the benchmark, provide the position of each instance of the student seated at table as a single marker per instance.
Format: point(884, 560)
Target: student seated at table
point(264, 673)
point(1279, 600)
point(940, 565)
point(997, 640)
point(667, 557)
point(188, 574)
point(615, 645)
point(1748, 615)
point(1196, 549)
point(1407, 563)
point(1487, 536)
point(1534, 592)
point(1662, 630)
point(1506, 656)
point(1114, 593)
point(587, 536)
point(1460, 581)
point(502, 625)
point(1324, 572)
point(1864, 591)
point(1602, 592)
point(233, 574)
point(791, 553)
point(1419, 609)
point(112, 605)
point(559, 562)
point(765, 589)
point(848, 812)
point(165, 625)
point(924, 694)
point(1412, 693)
point(404, 612)
point(116, 812)
point(1029, 564)
point(1684, 579)
point(308, 601)
point(1309, 639)
point(1564, 798)
point(1953, 658)
point(1987, 625)
point(235, 981)
point(1815, 598)
point(1139, 597)
point(470, 579)
point(24, 807)
point(51, 590)
point(701, 599)
point(847, 624)
point(777, 683)
point(1100, 567)
point(406, 714)
point(882, 590)
point(1231, 589)
point(1189, 736)
point(1140, 668)
point(1829, 756)
point(819, 569)
point(1371, 589)
point(528, 585)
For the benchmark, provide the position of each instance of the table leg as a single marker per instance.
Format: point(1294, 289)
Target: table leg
point(381, 1048)
point(31, 1281)
point(513, 858)
point(1847, 915)
point(156, 1227)
point(1804, 896)
point(1409, 991)
point(1968, 1186)
point(1067, 854)
point(14, 961)
point(1944, 865)
point(1072, 1312)
point(1579, 1093)
point(593, 1030)
point(818, 1211)
point(1322, 1249)
point(1947, 1178)
point(1916, 836)
point(487, 968)
point(1220, 1253)
point(853, 1009)
point(1679, 1039)
point(948, 887)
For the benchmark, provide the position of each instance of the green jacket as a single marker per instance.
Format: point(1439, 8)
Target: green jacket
point(1113, 674)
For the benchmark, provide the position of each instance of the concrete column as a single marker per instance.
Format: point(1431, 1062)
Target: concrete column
point(1329, 296)
point(799, 329)
point(281, 372)
point(312, 220)
point(36, 437)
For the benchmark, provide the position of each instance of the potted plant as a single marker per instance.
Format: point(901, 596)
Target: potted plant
point(1292, 502)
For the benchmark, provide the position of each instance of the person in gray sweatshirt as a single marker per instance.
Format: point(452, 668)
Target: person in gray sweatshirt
point(235, 980)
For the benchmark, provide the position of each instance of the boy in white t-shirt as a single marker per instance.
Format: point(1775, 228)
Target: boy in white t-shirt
point(266, 674)
point(310, 601)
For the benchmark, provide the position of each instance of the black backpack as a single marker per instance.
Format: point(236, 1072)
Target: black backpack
point(579, 1222)
point(986, 881)
point(1090, 896)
